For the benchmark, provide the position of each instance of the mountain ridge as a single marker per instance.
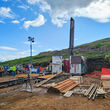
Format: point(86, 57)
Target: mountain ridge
point(96, 49)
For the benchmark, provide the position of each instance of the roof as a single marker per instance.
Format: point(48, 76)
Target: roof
point(76, 60)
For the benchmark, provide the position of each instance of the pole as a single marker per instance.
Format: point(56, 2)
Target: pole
point(31, 40)
point(31, 53)
point(71, 44)
point(28, 81)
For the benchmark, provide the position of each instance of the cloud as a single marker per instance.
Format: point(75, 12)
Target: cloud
point(58, 22)
point(2, 58)
point(61, 10)
point(49, 49)
point(21, 54)
point(25, 52)
point(17, 55)
point(2, 21)
point(7, 48)
point(25, 7)
point(6, 12)
point(22, 19)
point(5, 0)
point(15, 22)
point(35, 23)
point(33, 1)
point(9, 57)
point(99, 11)
point(44, 6)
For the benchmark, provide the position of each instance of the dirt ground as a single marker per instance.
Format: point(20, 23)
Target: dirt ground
point(6, 78)
point(39, 101)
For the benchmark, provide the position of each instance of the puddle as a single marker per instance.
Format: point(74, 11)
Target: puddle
point(36, 90)
point(3, 103)
point(10, 92)
point(28, 89)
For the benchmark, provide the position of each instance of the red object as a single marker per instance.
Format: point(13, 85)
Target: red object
point(67, 66)
point(42, 68)
point(105, 71)
point(95, 74)
point(1, 69)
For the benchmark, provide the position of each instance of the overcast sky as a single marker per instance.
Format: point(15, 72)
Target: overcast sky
point(49, 22)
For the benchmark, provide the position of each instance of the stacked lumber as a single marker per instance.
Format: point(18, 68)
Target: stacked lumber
point(46, 76)
point(94, 92)
point(106, 84)
point(63, 86)
point(44, 81)
point(25, 75)
point(88, 91)
point(91, 92)
point(105, 77)
point(78, 79)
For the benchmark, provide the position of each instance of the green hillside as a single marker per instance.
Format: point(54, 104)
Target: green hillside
point(97, 49)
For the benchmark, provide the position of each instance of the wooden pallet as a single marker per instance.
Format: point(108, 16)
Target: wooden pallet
point(88, 91)
point(64, 86)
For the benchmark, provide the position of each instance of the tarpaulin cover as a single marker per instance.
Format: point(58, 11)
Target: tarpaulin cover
point(105, 71)
point(95, 74)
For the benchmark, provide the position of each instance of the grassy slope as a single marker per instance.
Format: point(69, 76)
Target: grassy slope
point(46, 56)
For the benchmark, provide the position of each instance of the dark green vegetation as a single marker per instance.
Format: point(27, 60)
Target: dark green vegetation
point(97, 49)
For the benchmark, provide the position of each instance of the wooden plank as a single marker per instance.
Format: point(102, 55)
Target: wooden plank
point(88, 91)
point(61, 83)
point(94, 95)
point(70, 87)
point(46, 76)
point(92, 92)
point(105, 77)
point(65, 86)
point(68, 94)
point(26, 75)
point(106, 84)
point(44, 81)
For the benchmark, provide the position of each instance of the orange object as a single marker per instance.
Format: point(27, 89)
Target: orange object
point(25, 75)
point(46, 76)
point(65, 85)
